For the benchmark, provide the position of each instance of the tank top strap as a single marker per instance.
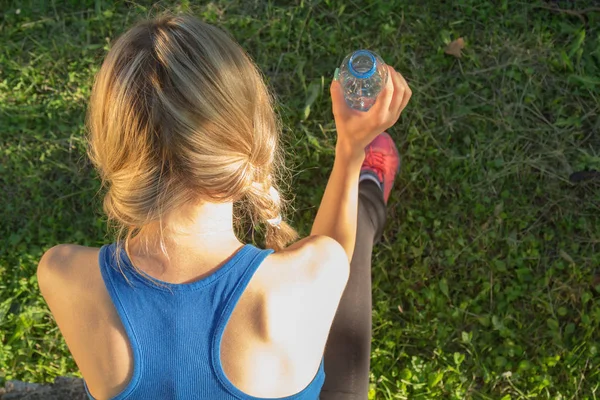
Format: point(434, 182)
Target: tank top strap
point(258, 256)
point(255, 257)
point(116, 276)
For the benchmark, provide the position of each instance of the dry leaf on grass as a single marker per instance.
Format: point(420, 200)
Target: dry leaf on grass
point(455, 47)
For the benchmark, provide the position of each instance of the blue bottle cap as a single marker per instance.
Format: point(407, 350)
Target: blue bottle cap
point(364, 74)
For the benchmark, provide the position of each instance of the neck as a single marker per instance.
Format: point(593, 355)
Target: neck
point(187, 243)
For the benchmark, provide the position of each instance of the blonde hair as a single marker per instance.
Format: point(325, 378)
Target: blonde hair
point(180, 114)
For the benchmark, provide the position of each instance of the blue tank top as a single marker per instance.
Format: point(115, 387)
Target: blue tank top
point(175, 330)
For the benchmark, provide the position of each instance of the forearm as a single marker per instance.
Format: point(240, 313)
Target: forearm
point(338, 212)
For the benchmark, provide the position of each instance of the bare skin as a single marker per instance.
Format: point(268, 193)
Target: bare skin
point(274, 342)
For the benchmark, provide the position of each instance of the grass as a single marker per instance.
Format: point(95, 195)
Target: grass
point(486, 285)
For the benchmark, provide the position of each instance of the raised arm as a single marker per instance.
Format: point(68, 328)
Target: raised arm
point(337, 215)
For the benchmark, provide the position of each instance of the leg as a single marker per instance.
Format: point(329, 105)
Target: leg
point(348, 349)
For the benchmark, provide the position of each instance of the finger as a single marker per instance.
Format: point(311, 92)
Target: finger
point(398, 94)
point(385, 97)
point(407, 92)
point(338, 104)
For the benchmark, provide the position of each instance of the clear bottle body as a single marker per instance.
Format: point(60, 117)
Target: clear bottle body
point(363, 74)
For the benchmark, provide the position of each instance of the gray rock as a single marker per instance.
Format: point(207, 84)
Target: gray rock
point(63, 388)
point(18, 386)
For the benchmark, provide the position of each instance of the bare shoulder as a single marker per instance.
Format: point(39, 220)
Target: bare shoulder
point(60, 261)
point(303, 285)
point(309, 260)
point(70, 281)
point(62, 253)
point(67, 266)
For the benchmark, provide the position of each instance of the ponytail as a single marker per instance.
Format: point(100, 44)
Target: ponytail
point(266, 207)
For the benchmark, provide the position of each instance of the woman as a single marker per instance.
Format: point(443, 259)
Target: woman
point(181, 127)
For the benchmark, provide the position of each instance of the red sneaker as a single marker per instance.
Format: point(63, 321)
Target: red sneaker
point(382, 161)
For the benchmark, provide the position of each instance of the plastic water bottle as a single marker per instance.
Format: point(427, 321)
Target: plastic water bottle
point(362, 75)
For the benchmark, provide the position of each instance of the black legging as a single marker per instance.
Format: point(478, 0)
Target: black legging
point(348, 350)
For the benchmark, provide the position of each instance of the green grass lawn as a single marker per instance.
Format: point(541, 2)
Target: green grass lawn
point(487, 283)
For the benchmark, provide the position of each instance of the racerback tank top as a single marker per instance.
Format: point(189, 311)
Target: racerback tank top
point(175, 330)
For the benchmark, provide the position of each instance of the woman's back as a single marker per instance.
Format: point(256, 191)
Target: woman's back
point(213, 338)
